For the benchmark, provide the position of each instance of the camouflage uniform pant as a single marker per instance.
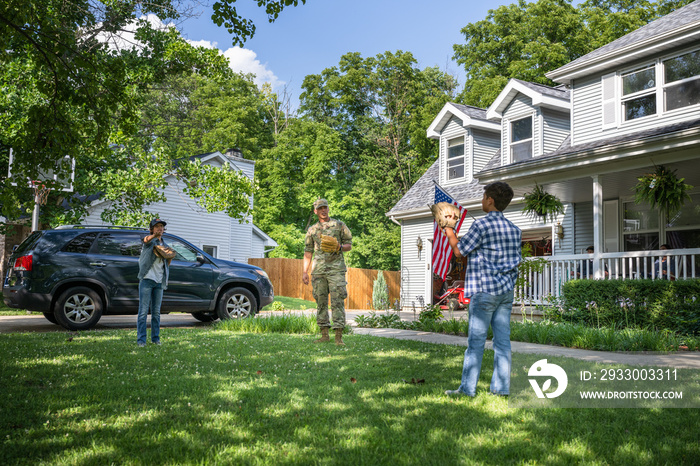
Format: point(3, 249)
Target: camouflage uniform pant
point(335, 285)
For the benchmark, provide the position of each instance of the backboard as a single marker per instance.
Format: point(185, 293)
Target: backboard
point(65, 166)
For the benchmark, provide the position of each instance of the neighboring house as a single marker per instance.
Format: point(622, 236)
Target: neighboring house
point(616, 113)
point(216, 233)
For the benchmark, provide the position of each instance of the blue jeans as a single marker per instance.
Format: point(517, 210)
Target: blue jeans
point(485, 309)
point(150, 296)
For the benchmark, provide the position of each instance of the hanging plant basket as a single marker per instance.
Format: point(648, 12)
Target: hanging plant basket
point(662, 189)
point(540, 204)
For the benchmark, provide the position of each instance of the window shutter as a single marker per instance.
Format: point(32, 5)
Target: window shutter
point(609, 100)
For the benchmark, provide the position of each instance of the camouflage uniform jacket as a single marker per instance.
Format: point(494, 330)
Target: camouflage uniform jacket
point(326, 262)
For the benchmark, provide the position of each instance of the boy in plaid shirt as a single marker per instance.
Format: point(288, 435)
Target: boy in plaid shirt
point(492, 247)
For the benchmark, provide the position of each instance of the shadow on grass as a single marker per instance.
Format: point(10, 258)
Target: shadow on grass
point(208, 396)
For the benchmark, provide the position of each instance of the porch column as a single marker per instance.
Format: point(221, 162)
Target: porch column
point(597, 226)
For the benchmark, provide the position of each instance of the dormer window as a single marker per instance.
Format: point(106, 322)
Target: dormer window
point(521, 139)
point(682, 81)
point(639, 93)
point(455, 158)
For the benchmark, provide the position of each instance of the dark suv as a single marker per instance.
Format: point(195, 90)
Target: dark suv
point(74, 275)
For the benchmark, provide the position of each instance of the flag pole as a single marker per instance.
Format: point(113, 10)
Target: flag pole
point(453, 198)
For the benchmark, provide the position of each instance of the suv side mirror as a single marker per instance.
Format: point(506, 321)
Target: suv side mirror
point(201, 259)
point(14, 248)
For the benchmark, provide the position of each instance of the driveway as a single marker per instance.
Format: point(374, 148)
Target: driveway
point(35, 322)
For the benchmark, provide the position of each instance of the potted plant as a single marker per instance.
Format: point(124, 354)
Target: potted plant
point(663, 189)
point(539, 203)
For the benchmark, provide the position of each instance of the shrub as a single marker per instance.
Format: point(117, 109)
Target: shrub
point(659, 304)
point(277, 306)
point(380, 293)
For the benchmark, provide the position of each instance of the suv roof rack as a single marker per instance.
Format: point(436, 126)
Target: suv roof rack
point(107, 227)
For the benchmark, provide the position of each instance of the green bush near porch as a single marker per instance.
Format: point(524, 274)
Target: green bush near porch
point(651, 304)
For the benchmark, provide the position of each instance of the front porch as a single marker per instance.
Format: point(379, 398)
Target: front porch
point(540, 286)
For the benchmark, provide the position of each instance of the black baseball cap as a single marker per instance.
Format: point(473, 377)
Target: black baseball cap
point(156, 221)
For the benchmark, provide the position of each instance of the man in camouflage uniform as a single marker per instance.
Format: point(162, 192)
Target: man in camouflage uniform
point(326, 241)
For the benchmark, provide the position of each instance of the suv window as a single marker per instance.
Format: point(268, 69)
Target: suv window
point(119, 244)
point(80, 244)
point(184, 252)
point(28, 244)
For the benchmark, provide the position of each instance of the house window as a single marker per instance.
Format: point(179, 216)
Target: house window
point(455, 158)
point(211, 250)
point(640, 227)
point(683, 229)
point(521, 139)
point(682, 81)
point(639, 93)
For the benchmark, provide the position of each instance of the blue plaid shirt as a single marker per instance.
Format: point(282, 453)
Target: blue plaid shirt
point(492, 247)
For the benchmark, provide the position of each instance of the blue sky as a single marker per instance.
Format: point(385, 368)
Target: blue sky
point(309, 38)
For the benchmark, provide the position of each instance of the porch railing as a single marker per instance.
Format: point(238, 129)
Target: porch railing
point(676, 263)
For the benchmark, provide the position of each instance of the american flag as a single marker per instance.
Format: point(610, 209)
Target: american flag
point(442, 252)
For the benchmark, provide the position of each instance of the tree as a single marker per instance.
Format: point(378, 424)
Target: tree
point(380, 107)
point(74, 77)
point(291, 176)
point(521, 40)
point(380, 292)
point(526, 40)
point(194, 114)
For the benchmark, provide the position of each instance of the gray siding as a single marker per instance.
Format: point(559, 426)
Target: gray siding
point(555, 130)
point(583, 216)
point(485, 145)
point(566, 244)
point(415, 271)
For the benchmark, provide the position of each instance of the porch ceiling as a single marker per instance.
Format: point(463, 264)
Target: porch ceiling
point(619, 184)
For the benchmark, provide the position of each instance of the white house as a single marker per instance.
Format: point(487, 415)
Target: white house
point(216, 233)
point(617, 112)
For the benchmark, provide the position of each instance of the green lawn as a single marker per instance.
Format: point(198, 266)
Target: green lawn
point(293, 304)
point(217, 396)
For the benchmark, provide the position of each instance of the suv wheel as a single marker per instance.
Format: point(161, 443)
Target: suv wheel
point(237, 303)
point(204, 316)
point(78, 308)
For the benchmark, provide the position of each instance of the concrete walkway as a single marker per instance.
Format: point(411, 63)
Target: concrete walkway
point(690, 360)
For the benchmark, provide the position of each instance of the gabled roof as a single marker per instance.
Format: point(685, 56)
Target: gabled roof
point(229, 158)
point(541, 95)
point(675, 29)
point(264, 236)
point(422, 193)
point(472, 117)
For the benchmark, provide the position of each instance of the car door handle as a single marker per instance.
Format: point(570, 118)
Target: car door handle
point(98, 264)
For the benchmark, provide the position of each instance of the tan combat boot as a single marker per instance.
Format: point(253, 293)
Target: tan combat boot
point(324, 336)
point(339, 337)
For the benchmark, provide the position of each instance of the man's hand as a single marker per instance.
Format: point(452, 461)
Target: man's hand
point(305, 278)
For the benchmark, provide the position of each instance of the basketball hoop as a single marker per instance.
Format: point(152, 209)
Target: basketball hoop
point(41, 192)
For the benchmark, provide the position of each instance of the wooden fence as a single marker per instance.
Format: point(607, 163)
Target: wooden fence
point(285, 275)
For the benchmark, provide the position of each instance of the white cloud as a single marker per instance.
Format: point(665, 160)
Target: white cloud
point(202, 43)
point(246, 61)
